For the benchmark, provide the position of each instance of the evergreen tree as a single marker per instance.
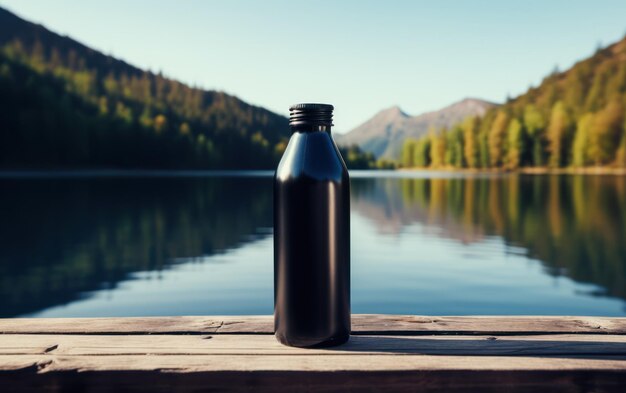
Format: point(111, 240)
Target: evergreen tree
point(581, 140)
point(535, 125)
point(496, 138)
point(515, 144)
point(605, 133)
point(454, 150)
point(557, 135)
point(437, 147)
point(422, 153)
point(470, 151)
point(408, 153)
point(620, 159)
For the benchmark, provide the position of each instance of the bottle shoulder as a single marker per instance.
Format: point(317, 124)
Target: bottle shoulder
point(312, 156)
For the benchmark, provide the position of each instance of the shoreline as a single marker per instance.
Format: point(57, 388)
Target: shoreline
point(599, 170)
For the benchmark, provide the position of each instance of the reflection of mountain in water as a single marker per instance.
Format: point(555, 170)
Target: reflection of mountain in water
point(61, 238)
point(573, 224)
point(394, 203)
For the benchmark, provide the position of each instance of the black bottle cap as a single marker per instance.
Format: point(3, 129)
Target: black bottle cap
point(311, 115)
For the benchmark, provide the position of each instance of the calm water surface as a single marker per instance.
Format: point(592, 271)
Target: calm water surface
point(200, 243)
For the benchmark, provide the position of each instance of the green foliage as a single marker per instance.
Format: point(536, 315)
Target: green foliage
point(606, 132)
point(483, 148)
point(437, 148)
point(422, 153)
point(581, 140)
point(454, 151)
point(355, 158)
point(496, 139)
point(558, 138)
point(575, 118)
point(535, 125)
point(64, 105)
point(407, 158)
point(470, 140)
point(515, 144)
point(621, 152)
point(385, 164)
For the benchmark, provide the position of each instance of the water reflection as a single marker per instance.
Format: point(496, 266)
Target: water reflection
point(574, 225)
point(64, 237)
point(87, 246)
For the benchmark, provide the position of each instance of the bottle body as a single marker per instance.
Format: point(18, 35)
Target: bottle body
point(312, 242)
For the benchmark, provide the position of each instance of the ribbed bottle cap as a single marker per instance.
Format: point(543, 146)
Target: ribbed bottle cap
point(311, 115)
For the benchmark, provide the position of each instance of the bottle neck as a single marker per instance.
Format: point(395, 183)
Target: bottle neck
point(310, 128)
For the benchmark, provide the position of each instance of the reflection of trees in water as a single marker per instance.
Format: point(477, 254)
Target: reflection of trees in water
point(64, 237)
point(573, 224)
point(60, 238)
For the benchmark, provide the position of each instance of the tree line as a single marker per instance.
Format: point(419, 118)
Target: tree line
point(572, 119)
point(60, 110)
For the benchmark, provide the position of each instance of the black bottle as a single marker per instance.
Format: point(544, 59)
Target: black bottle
point(311, 234)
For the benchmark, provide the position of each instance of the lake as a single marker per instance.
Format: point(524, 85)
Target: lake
point(197, 243)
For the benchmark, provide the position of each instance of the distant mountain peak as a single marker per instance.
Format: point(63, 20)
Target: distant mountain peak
point(471, 102)
point(389, 115)
point(393, 111)
point(384, 133)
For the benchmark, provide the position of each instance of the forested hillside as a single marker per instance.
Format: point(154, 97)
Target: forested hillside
point(65, 105)
point(574, 118)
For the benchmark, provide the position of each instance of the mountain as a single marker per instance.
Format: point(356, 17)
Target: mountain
point(574, 118)
point(384, 134)
point(63, 104)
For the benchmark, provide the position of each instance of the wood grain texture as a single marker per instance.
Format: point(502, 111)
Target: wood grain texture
point(564, 345)
point(387, 353)
point(304, 362)
point(132, 325)
point(361, 324)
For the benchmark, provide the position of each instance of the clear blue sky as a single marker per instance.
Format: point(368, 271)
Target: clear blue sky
point(361, 56)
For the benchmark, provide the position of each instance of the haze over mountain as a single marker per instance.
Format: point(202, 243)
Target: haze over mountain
point(384, 134)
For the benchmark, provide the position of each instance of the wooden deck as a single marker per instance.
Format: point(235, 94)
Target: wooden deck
point(386, 353)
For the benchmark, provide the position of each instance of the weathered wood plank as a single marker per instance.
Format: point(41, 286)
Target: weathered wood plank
point(390, 353)
point(131, 325)
point(500, 325)
point(563, 345)
point(303, 362)
point(361, 324)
